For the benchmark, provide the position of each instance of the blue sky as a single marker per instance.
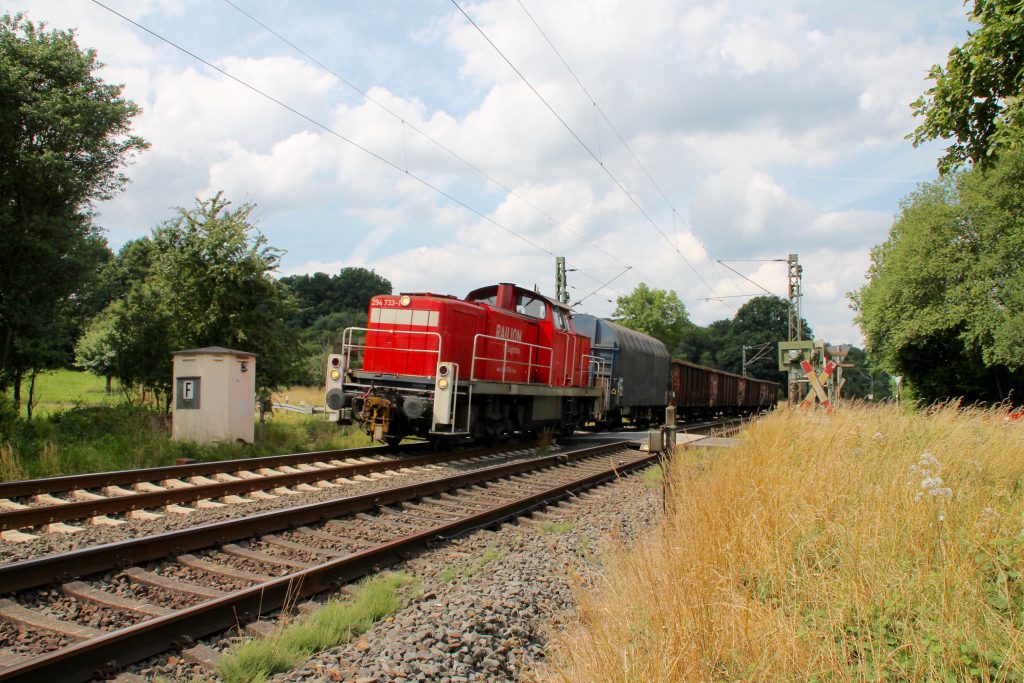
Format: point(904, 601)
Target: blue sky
point(768, 128)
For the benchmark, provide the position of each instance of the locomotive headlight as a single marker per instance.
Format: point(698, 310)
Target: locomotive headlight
point(405, 300)
point(442, 384)
point(335, 374)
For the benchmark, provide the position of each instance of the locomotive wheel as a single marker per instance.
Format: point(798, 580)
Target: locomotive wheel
point(392, 441)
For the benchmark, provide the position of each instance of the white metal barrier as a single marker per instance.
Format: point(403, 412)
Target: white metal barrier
point(348, 345)
point(504, 359)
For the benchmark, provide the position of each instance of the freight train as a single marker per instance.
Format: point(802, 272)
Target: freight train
point(507, 360)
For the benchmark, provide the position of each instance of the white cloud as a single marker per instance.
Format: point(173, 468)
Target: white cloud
point(722, 101)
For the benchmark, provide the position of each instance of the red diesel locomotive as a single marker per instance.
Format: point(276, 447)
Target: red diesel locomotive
point(506, 360)
point(503, 360)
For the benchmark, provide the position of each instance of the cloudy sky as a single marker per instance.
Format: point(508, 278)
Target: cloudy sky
point(675, 134)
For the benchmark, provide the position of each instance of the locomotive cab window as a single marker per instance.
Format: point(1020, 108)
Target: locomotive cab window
point(561, 323)
point(531, 306)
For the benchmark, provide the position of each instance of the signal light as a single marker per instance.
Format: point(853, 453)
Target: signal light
point(335, 361)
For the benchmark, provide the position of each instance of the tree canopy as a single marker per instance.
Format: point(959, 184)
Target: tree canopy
point(975, 100)
point(864, 380)
point(944, 302)
point(656, 312)
point(208, 281)
point(322, 295)
point(66, 137)
point(761, 320)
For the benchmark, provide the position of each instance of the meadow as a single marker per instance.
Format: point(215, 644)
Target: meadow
point(880, 543)
point(77, 428)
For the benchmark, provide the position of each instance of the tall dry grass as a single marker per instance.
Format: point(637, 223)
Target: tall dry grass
point(873, 544)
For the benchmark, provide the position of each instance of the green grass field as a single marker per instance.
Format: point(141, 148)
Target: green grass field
point(62, 389)
point(77, 428)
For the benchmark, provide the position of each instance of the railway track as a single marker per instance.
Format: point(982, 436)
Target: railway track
point(102, 607)
point(28, 508)
point(66, 505)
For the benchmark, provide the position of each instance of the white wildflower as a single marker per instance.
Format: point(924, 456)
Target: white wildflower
point(986, 519)
point(928, 466)
point(942, 517)
point(878, 437)
point(932, 485)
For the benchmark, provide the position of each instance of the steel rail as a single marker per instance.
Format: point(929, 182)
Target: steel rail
point(31, 487)
point(73, 510)
point(105, 654)
point(64, 566)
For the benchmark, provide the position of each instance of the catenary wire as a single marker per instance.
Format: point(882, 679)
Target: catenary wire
point(599, 110)
point(333, 132)
point(561, 224)
point(369, 98)
point(583, 144)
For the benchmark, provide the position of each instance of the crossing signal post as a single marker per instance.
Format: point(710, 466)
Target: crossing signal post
point(791, 355)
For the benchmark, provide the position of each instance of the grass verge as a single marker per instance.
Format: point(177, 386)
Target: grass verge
point(336, 623)
point(875, 544)
point(102, 438)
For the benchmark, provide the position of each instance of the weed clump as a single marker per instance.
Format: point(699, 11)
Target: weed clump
point(336, 623)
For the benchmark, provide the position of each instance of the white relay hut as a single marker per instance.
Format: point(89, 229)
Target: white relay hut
point(214, 395)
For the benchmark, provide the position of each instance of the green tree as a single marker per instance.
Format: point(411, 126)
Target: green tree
point(944, 302)
point(976, 99)
point(703, 345)
point(66, 135)
point(656, 312)
point(208, 282)
point(761, 320)
point(864, 379)
point(322, 295)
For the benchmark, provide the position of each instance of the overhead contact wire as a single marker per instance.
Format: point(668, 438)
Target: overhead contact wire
point(583, 144)
point(330, 131)
point(422, 133)
point(599, 110)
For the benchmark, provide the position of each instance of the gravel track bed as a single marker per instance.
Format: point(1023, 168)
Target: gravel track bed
point(340, 544)
point(123, 586)
point(293, 554)
point(487, 602)
point(246, 564)
point(52, 543)
point(203, 578)
point(13, 639)
point(60, 606)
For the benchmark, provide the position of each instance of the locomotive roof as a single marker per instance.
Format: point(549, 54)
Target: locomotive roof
point(489, 290)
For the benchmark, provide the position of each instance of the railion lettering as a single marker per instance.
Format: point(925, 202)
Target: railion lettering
point(510, 333)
